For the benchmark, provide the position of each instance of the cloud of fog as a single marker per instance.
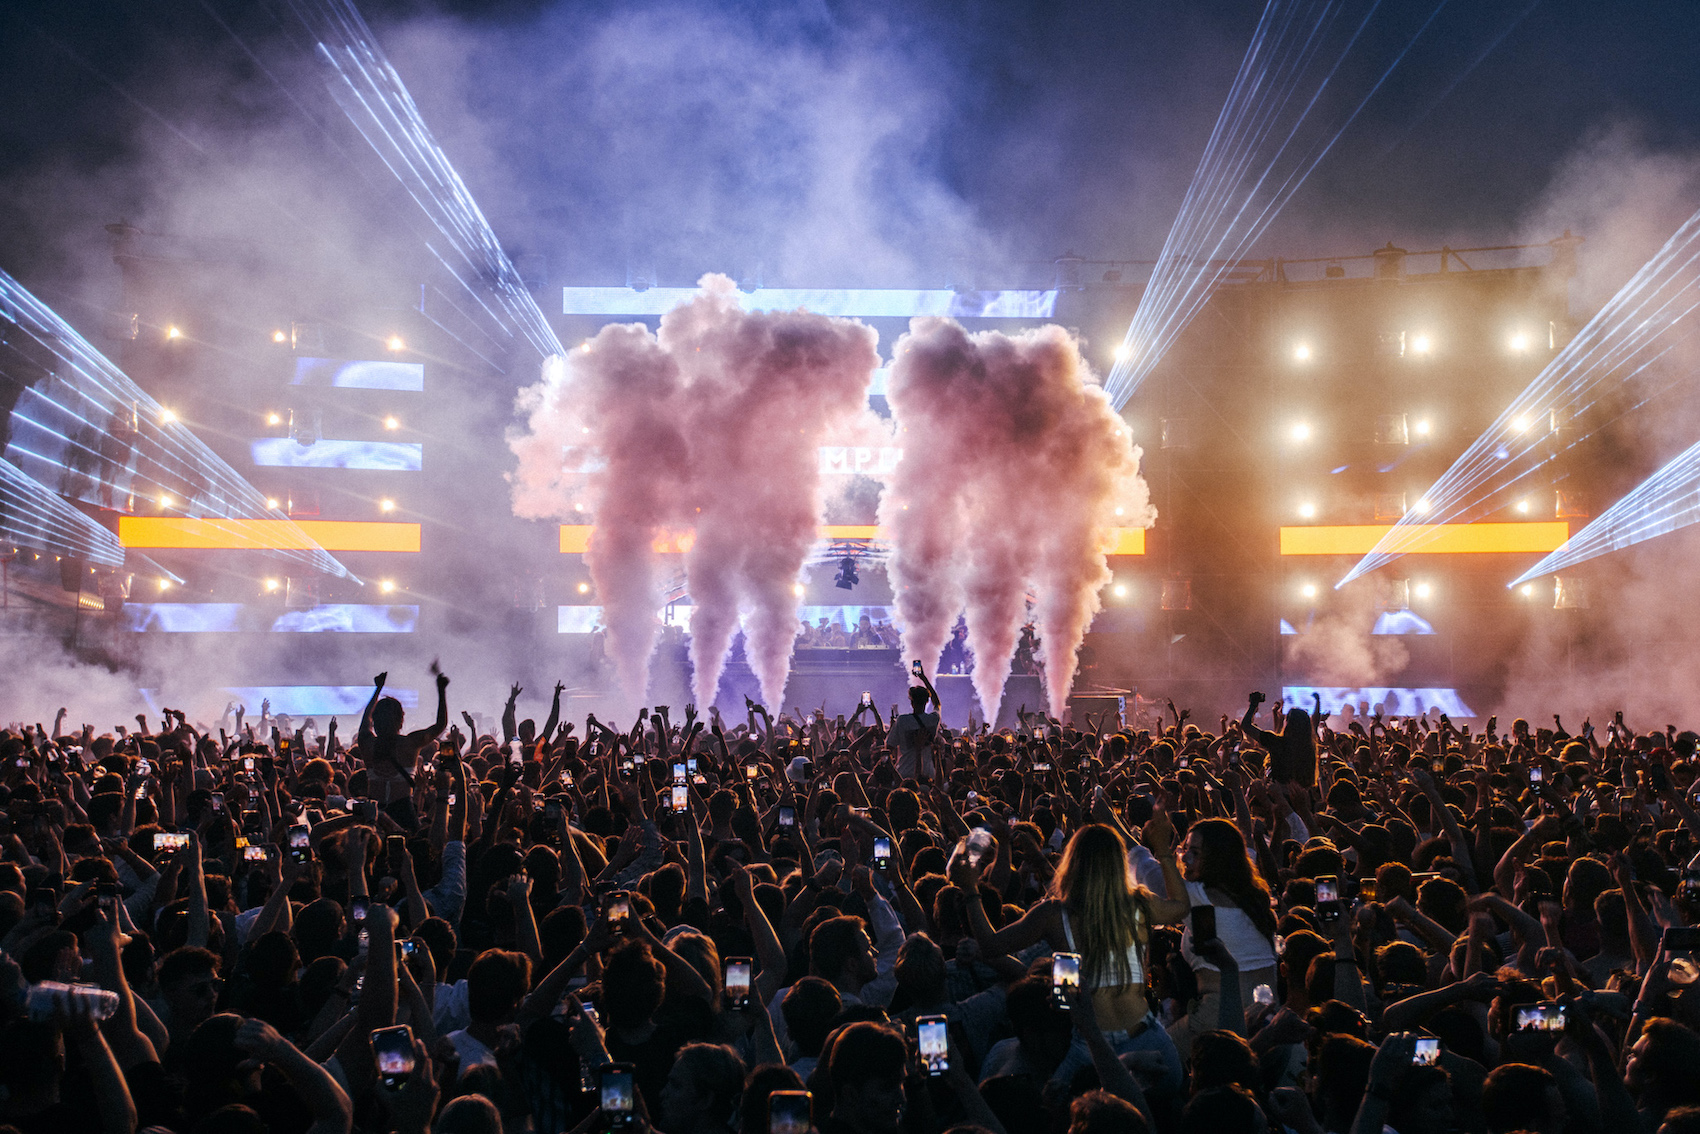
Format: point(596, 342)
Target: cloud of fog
point(1014, 470)
point(1337, 648)
point(716, 423)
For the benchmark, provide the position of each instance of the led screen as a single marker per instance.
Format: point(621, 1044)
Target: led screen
point(386, 456)
point(346, 375)
point(235, 617)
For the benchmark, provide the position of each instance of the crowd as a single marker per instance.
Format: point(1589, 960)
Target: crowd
point(861, 924)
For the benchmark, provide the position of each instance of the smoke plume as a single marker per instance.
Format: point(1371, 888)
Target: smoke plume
point(1014, 471)
point(1339, 648)
point(715, 422)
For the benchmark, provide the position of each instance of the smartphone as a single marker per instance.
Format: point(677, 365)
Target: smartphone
point(106, 894)
point(1065, 978)
point(1328, 898)
point(143, 767)
point(737, 983)
point(253, 853)
point(1658, 777)
point(614, 1093)
point(1041, 767)
point(1680, 939)
point(1203, 924)
point(681, 798)
point(915, 668)
point(169, 840)
point(1536, 775)
point(1368, 889)
point(392, 1048)
point(247, 764)
point(751, 771)
point(867, 697)
point(1427, 1053)
point(357, 907)
point(933, 1040)
point(882, 853)
point(787, 816)
point(1545, 1016)
point(552, 811)
point(141, 791)
point(396, 846)
point(679, 773)
point(285, 745)
point(627, 770)
point(218, 801)
point(619, 909)
point(789, 1112)
point(45, 900)
point(300, 844)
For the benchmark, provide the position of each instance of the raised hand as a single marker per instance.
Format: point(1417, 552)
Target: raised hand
point(513, 694)
point(378, 681)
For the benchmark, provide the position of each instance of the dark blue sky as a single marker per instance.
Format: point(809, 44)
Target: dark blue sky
point(852, 142)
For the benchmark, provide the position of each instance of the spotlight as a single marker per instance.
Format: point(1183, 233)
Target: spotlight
point(1422, 427)
point(387, 586)
point(165, 500)
point(847, 576)
point(1122, 353)
point(1519, 424)
point(797, 589)
point(1421, 344)
point(584, 588)
point(1523, 507)
point(1520, 342)
point(1301, 431)
point(1307, 510)
point(1528, 590)
point(585, 346)
point(1301, 352)
point(391, 422)
point(272, 585)
point(167, 416)
point(1422, 506)
point(279, 337)
point(395, 343)
point(1422, 590)
point(1308, 590)
point(386, 505)
point(1119, 511)
point(173, 333)
point(165, 584)
point(1120, 590)
point(271, 502)
point(274, 419)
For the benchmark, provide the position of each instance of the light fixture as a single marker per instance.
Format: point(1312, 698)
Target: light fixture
point(387, 586)
point(1301, 431)
point(1519, 424)
point(165, 584)
point(396, 343)
point(173, 333)
point(1120, 510)
point(165, 500)
point(1421, 344)
point(274, 419)
point(1519, 342)
point(391, 422)
point(167, 415)
point(271, 502)
point(584, 588)
point(386, 505)
point(1422, 427)
point(1120, 590)
point(279, 337)
point(1308, 590)
point(585, 346)
point(272, 584)
point(1523, 507)
point(1307, 510)
point(1301, 352)
point(1122, 353)
point(797, 589)
point(1528, 590)
point(1422, 506)
point(1422, 590)
point(846, 577)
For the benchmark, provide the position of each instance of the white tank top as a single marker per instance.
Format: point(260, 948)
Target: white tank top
point(1087, 984)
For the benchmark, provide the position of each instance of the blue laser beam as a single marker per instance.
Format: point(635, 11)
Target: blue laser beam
point(1661, 504)
point(1623, 343)
point(378, 104)
point(34, 516)
point(82, 428)
point(1274, 129)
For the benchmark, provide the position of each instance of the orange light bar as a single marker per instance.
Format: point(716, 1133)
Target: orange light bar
point(266, 535)
point(1425, 539)
point(575, 538)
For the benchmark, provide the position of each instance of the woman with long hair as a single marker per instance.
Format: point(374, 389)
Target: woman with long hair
point(1096, 909)
point(1292, 751)
point(1218, 873)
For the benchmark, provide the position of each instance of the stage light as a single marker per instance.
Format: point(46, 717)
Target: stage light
point(1519, 425)
point(167, 416)
point(1422, 590)
point(847, 577)
point(1123, 353)
point(585, 347)
point(279, 337)
point(274, 419)
point(165, 500)
point(1422, 427)
point(1523, 507)
point(1301, 432)
point(165, 584)
point(1421, 344)
point(1119, 511)
point(272, 503)
point(1308, 590)
point(387, 586)
point(1301, 352)
point(395, 343)
point(386, 505)
point(1307, 510)
point(1120, 590)
point(1519, 342)
point(173, 333)
point(272, 585)
point(584, 588)
point(391, 422)
point(1528, 590)
point(797, 589)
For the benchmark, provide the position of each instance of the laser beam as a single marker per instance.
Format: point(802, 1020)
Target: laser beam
point(1643, 322)
point(33, 515)
point(1661, 504)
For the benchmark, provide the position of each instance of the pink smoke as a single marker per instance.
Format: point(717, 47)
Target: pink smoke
point(1015, 469)
point(715, 422)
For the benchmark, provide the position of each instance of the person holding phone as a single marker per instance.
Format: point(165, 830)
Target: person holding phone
point(915, 732)
point(1220, 875)
point(1095, 908)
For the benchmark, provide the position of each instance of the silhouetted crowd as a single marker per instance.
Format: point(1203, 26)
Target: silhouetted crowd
point(853, 924)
